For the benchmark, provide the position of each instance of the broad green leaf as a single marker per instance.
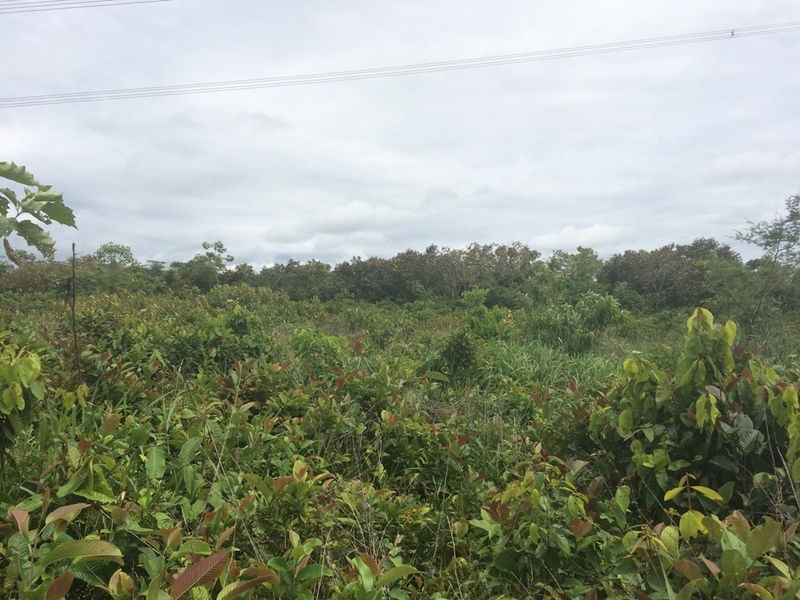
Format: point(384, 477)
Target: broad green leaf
point(663, 393)
point(37, 237)
point(707, 492)
point(364, 573)
point(7, 198)
point(763, 538)
point(672, 493)
point(684, 372)
point(623, 497)
point(31, 503)
point(237, 588)
point(782, 567)
point(733, 563)
point(83, 549)
point(188, 451)
point(394, 574)
point(505, 562)
point(37, 389)
point(729, 332)
point(12, 398)
point(6, 225)
point(156, 462)
point(670, 537)
point(314, 572)
point(258, 482)
point(279, 564)
point(691, 524)
point(625, 421)
point(28, 368)
point(631, 368)
point(154, 591)
point(700, 373)
point(32, 205)
point(121, 585)
point(9, 170)
point(59, 212)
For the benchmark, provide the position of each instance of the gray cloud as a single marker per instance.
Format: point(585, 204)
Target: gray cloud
point(612, 151)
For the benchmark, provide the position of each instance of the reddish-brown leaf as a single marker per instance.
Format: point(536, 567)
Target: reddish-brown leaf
point(60, 586)
point(66, 513)
point(371, 563)
point(203, 572)
point(223, 537)
point(580, 527)
point(22, 518)
point(282, 482)
point(713, 568)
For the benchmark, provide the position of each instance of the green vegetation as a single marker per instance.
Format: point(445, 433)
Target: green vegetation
point(38, 202)
point(474, 423)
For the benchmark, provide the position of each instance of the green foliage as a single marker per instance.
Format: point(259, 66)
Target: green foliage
point(39, 202)
point(238, 444)
point(672, 276)
point(767, 286)
point(43, 562)
point(204, 270)
point(725, 418)
point(576, 329)
point(20, 383)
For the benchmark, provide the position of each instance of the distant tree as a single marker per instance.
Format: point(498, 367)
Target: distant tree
point(672, 276)
point(375, 280)
point(115, 255)
point(779, 238)
point(578, 272)
point(204, 270)
point(39, 203)
point(242, 273)
point(301, 281)
point(770, 283)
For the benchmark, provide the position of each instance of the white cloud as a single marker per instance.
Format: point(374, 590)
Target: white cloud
point(598, 237)
point(611, 151)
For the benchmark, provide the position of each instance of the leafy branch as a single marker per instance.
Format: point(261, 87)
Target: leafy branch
point(38, 202)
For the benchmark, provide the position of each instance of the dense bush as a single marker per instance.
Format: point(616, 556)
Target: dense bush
point(240, 444)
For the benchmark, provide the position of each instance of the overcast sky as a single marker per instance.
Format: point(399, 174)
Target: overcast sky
point(612, 151)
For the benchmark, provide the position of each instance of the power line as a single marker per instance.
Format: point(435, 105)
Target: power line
point(396, 71)
point(9, 7)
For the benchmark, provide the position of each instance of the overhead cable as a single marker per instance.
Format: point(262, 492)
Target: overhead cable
point(396, 71)
point(8, 7)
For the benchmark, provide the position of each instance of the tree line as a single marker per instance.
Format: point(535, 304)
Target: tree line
point(704, 272)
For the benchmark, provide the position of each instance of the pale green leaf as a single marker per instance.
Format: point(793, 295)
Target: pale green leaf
point(83, 549)
point(9, 170)
point(156, 462)
point(394, 574)
point(707, 492)
point(237, 588)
